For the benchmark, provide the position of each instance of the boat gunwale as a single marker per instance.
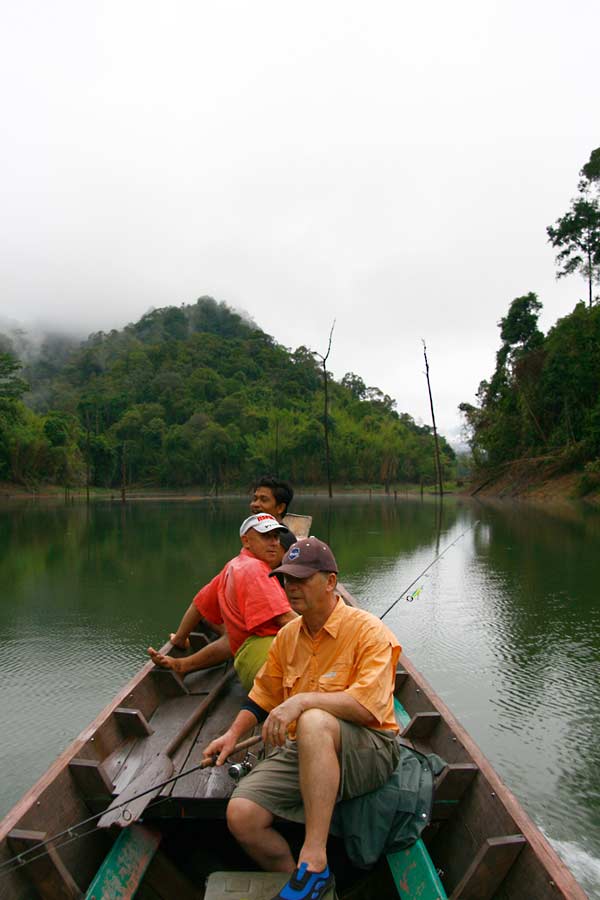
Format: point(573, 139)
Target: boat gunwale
point(25, 803)
point(558, 871)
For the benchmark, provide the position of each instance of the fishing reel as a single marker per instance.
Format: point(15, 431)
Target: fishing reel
point(239, 769)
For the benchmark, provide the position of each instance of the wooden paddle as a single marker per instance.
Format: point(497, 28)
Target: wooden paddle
point(159, 769)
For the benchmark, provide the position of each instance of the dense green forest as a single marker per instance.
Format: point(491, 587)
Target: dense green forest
point(543, 398)
point(196, 395)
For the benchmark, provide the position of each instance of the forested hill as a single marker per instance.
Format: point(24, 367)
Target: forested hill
point(542, 402)
point(538, 416)
point(197, 395)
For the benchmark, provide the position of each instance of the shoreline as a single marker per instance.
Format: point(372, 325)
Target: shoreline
point(508, 484)
point(11, 492)
point(533, 480)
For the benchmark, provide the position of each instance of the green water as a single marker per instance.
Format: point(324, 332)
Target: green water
point(506, 626)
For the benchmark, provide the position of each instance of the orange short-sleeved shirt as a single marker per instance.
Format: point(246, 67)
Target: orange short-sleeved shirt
point(353, 652)
point(244, 598)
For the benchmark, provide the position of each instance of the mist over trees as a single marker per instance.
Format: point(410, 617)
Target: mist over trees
point(197, 395)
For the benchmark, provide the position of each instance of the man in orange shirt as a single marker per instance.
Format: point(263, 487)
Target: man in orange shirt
point(325, 696)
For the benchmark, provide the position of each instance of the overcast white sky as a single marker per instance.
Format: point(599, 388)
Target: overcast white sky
point(390, 165)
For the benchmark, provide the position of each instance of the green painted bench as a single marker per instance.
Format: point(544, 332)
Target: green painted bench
point(412, 869)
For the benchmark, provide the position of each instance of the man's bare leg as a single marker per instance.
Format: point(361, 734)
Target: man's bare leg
point(214, 653)
point(190, 620)
point(319, 743)
point(251, 825)
point(318, 748)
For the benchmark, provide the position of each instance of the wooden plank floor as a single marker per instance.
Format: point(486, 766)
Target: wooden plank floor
point(213, 783)
point(134, 753)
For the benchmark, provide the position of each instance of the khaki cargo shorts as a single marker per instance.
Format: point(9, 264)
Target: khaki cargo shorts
point(367, 759)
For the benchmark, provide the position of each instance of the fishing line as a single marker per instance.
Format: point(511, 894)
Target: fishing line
point(427, 568)
point(18, 861)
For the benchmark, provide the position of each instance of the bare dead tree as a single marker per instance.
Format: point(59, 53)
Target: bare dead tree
point(435, 435)
point(326, 407)
point(124, 472)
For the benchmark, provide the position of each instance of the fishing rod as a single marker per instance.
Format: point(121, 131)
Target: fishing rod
point(427, 568)
point(16, 862)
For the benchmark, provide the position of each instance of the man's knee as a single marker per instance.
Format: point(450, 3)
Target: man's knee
point(318, 723)
point(244, 818)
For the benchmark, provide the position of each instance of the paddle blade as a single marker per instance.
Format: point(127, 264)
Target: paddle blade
point(158, 770)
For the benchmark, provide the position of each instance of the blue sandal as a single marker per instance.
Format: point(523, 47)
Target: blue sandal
point(305, 885)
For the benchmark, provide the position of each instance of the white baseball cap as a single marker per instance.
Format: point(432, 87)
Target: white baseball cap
point(261, 522)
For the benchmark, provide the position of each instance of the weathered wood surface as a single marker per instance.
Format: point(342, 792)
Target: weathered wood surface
point(156, 766)
point(488, 809)
point(93, 782)
point(487, 871)
point(211, 783)
point(45, 871)
point(132, 721)
point(299, 525)
point(450, 787)
point(55, 803)
point(123, 870)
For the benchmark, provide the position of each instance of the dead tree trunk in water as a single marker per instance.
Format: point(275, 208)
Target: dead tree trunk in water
point(123, 472)
point(325, 415)
point(435, 435)
point(87, 456)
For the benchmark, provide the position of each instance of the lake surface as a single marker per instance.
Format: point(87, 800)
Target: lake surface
point(506, 626)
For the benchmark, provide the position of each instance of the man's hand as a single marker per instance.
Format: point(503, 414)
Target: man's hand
point(276, 724)
point(182, 643)
point(221, 747)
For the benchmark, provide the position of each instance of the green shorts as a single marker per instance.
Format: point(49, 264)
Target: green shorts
point(367, 759)
point(251, 657)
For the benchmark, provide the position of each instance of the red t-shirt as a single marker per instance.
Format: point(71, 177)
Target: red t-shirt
point(244, 598)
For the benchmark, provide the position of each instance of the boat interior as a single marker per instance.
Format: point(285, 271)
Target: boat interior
point(478, 843)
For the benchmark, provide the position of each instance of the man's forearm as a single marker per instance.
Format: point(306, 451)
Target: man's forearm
point(211, 655)
point(190, 620)
point(243, 722)
point(338, 703)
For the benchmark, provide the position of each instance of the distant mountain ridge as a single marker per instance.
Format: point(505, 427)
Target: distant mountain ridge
point(199, 394)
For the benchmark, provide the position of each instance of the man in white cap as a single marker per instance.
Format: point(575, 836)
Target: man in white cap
point(242, 597)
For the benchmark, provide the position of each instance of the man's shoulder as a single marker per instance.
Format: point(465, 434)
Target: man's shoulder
point(247, 562)
point(367, 622)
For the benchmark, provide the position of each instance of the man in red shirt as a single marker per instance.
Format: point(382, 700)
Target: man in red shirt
point(242, 597)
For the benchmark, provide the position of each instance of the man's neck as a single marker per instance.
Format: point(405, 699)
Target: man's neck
point(315, 620)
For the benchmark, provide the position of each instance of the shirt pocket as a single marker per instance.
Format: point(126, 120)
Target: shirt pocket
point(336, 678)
point(289, 682)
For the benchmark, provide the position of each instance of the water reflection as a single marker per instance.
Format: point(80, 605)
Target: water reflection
point(506, 625)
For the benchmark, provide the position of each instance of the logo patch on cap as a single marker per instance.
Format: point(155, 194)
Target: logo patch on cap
point(294, 553)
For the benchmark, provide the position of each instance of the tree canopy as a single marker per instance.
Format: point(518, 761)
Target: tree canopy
point(544, 395)
point(576, 234)
point(197, 394)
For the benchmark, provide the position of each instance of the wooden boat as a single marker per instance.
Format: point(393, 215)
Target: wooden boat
point(479, 843)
